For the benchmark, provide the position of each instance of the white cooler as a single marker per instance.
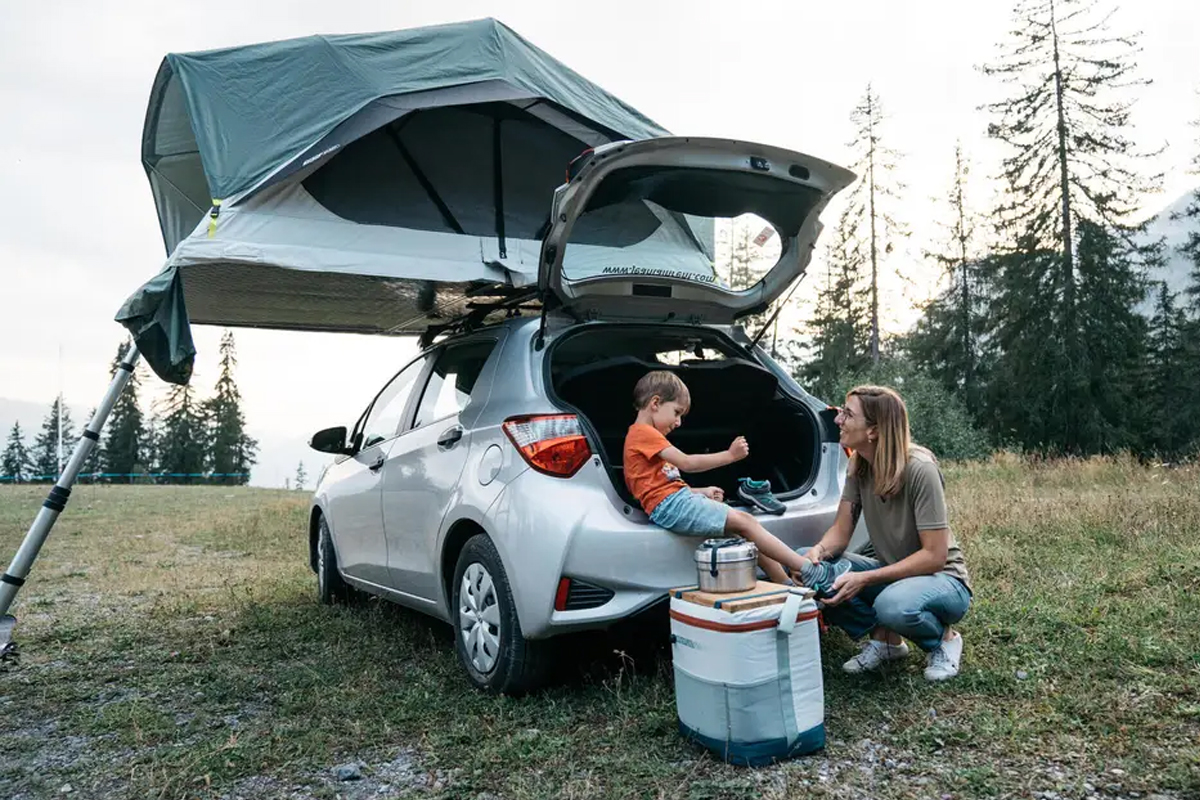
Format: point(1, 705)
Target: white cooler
point(748, 672)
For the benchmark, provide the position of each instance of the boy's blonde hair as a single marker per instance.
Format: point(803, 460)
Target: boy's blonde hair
point(666, 385)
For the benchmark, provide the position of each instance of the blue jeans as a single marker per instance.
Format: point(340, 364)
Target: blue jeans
point(918, 608)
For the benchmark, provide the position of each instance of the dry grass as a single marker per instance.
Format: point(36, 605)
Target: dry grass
point(172, 647)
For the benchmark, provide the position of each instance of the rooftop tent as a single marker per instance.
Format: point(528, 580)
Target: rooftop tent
point(372, 183)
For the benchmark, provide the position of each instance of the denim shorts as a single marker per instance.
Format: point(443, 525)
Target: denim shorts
point(690, 514)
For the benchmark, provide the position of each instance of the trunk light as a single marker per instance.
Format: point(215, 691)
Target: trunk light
point(553, 444)
point(560, 597)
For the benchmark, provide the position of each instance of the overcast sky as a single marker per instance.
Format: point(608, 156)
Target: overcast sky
point(78, 232)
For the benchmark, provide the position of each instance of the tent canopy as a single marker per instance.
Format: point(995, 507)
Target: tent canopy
point(373, 183)
point(221, 123)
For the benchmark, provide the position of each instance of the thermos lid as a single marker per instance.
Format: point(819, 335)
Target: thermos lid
point(730, 549)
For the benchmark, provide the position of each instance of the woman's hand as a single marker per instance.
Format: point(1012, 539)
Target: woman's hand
point(847, 586)
point(739, 449)
point(713, 493)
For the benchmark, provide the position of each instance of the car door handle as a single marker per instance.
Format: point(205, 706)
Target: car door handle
point(450, 437)
point(377, 463)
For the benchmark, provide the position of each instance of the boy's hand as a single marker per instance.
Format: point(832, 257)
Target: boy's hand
point(739, 449)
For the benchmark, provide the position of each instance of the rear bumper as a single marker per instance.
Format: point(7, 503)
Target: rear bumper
point(547, 528)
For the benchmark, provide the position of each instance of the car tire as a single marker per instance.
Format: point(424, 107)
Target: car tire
point(487, 634)
point(331, 588)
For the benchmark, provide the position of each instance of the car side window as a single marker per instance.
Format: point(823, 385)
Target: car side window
point(384, 420)
point(453, 377)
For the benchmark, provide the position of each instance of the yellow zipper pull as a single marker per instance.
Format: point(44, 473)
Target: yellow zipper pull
point(212, 218)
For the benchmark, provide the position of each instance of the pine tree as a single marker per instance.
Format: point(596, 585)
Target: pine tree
point(1169, 379)
point(124, 432)
point(1190, 248)
point(301, 476)
point(151, 450)
point(946, 342)
point(1021, 402)
point(872, 201)
point(182, 446)
point(231, 451)
point(1070, 163)
point(1185, 413)
point(45, 453)
point(14, 464)
point(1112, 344)
point(746, 261)
point(840, 327)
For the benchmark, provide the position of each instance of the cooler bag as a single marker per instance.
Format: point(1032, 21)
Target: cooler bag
point(748, 680)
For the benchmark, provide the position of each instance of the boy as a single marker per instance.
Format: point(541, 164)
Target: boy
point(652, 473)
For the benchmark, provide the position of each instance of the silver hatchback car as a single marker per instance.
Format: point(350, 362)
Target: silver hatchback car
point(483, 484)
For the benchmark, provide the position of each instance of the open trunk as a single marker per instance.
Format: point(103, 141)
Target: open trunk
point(594, 368)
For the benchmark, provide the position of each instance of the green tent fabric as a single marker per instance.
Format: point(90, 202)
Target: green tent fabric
point(157, 318)
point(221, 122)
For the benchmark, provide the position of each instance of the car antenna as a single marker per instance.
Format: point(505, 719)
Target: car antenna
point(770, 321)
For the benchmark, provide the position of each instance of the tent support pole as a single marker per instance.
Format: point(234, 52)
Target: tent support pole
point(14, 577)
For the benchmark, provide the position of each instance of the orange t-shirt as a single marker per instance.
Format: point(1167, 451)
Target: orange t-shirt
point(647, 474)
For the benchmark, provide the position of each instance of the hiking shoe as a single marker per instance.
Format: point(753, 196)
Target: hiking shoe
point(942, 662)
point(820, 576)
point(758, 493)
point(873, 656)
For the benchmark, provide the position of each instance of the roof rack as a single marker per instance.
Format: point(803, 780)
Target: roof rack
point(512, 304)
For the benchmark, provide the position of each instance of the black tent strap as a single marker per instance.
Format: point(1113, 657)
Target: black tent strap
point(498, 168)
point(423, 179)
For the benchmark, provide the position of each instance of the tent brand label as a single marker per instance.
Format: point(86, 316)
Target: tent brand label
point(319, 155)
point(661, 273)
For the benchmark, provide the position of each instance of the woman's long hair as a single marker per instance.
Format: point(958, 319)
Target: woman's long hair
point(884, 409)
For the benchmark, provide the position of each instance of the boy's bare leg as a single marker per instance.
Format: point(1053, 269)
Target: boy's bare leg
point(746, 526)
point(773, 568)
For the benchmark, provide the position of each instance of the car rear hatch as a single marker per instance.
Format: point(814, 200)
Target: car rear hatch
point(646, 230)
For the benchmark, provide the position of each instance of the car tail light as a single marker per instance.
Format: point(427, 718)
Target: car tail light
point(550, 443)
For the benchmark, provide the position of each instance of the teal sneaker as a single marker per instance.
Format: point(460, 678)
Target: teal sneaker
point(758, 494)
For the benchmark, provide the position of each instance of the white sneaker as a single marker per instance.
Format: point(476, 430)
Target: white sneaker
point(942, 663)
point(873, 655)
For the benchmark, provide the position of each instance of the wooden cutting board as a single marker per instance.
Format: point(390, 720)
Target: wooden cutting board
point(764, 593)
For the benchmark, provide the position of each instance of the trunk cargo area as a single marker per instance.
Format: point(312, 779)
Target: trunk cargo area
point(595, 371)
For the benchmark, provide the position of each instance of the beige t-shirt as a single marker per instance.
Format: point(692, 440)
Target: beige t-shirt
point(920, 505)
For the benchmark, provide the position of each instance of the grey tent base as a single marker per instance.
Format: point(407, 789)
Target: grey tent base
point(14, 577)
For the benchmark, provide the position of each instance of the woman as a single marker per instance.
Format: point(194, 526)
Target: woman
point(918, 585)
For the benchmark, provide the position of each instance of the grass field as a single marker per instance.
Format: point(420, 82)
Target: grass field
point(172, 647)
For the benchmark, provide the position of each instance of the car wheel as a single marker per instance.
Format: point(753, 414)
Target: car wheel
point(487, 634)
point(330, 586)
